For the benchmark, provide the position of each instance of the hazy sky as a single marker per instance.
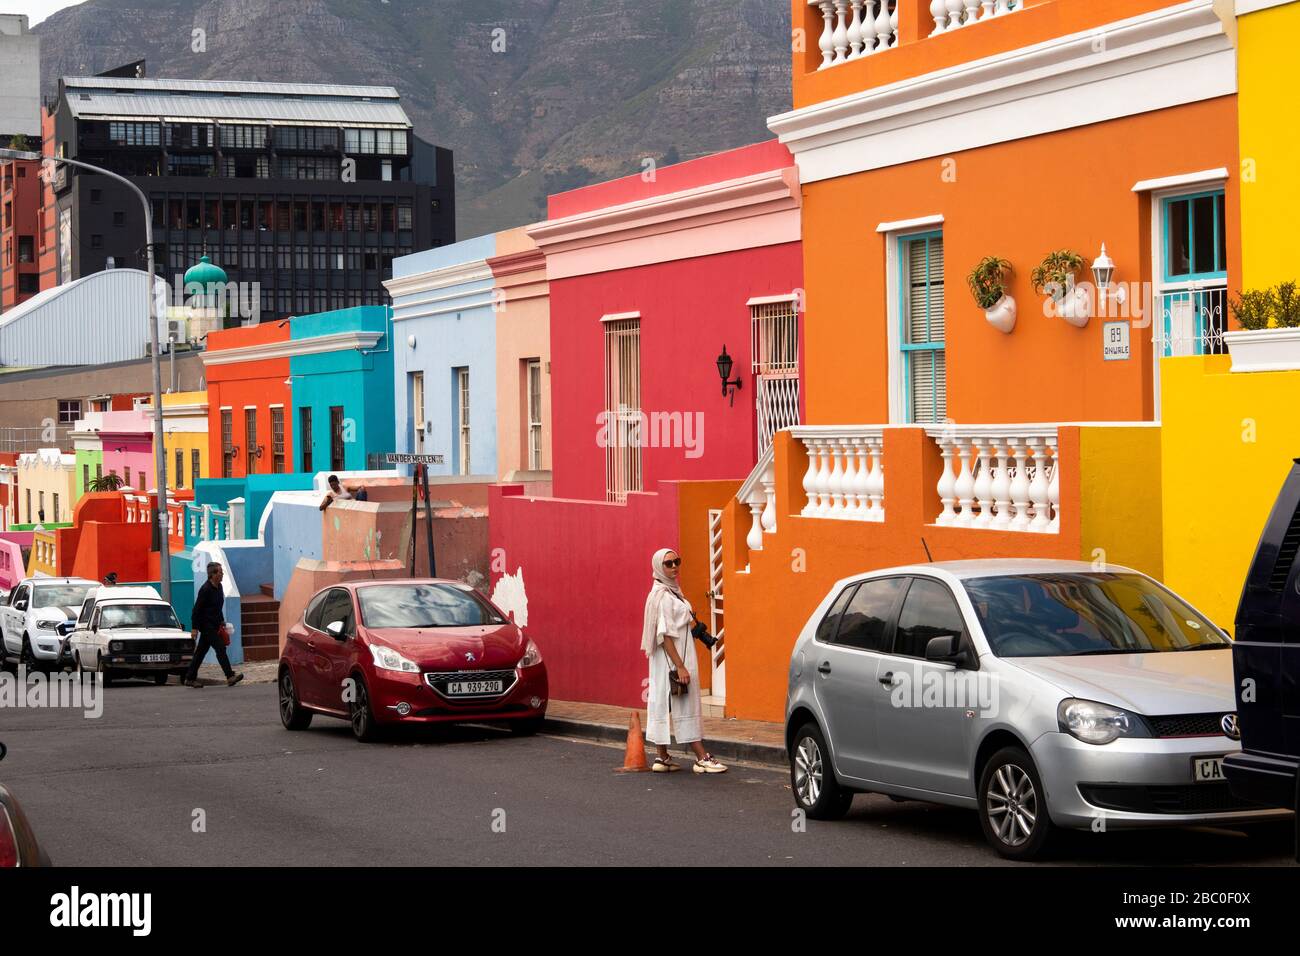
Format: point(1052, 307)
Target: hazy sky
point(38, 10)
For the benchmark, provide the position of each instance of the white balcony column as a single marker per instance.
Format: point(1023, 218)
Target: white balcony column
point(876, 481)
point(855, 28)
point(206, 533)
point(810, 478)
point(964, 488)
point(836, 487)
point(755, 537)
point(841, 36)
point(955, 10)
point(769, 494)
point(983, 482)
point(893, 26)
point(826, 42)
point(1038, 487)
point(1019, 484)
point(1001, 7)
point(1001, 484)
point(862, 479)
point(823, 483)
point(947, 483)
point(939, 11)
point(1054, 486)
point(986, 9)
point(972, 12)
point(881, 29)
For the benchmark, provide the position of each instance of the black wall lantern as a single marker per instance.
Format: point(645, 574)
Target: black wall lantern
point(729, 386)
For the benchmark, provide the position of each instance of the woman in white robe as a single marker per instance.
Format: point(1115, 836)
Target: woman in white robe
point(668, 645)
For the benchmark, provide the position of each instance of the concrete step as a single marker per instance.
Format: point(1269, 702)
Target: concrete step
point(268, 590)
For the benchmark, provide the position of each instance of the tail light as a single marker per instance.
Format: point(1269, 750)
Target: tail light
point(8, 841)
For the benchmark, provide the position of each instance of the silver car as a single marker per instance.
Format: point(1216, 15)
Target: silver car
point(1043, 694)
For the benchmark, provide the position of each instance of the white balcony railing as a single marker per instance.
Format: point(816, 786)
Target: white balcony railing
point(954, 14)
point(853, 29)
point(846, 471)
point(758, 494)
point(1004, 477)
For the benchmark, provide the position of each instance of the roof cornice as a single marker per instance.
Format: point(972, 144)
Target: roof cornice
point(462, 273)
point(357, 339)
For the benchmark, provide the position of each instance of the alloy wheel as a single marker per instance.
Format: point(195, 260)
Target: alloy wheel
point(808, 772)
point(360, 712)
point(286, 697)
point(1012, 804)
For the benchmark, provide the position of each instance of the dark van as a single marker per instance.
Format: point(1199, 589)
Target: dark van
point(1266, 661)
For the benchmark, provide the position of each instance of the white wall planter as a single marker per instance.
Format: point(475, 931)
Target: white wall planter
point(1075, 307)
point(1002, 315)
point(1264, 350)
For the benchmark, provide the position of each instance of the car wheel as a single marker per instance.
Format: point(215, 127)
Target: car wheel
point(363, 718)
point(1013, 806)
point(527, 727)
point(7, 663)
point(25, 656)
point(812, 778)
point(292, 714)
point(105, 675)
point(161, 679)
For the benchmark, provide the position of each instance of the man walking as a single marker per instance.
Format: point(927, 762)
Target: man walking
point(208, 619)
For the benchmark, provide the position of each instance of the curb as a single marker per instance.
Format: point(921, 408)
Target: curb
point(721, 747)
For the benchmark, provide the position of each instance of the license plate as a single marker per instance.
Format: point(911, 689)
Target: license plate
point(1208, 770)
point(155, 658)
point(465, 687)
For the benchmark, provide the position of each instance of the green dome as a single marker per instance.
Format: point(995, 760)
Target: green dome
point(201, 277)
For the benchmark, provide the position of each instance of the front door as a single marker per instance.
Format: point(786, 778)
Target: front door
point(922, 720)
point(846, 655)
point(417, 412)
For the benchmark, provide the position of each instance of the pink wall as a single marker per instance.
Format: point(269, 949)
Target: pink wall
point(689, 309)
point(584, 613)
point(12, 569)
point(718, 167)
point(131, 431)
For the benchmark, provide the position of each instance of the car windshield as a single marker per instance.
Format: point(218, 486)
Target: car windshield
point(139, 615)
point(1058, 615)
point(59, 595)
point(424, 605)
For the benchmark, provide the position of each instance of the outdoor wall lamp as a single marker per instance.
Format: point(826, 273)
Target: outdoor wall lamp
point(259, 452)
point(234, 451)
point(1103, 271)
point(729, 386)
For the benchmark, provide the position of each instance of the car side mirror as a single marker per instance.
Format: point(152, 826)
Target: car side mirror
point(947, 649)
point(20, 605)
point(335, 630)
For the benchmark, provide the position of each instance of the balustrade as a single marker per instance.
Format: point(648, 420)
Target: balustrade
point(1005, 477)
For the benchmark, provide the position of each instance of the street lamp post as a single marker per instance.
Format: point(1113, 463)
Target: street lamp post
point(160, 453)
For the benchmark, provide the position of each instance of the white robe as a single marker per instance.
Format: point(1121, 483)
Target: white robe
point(662, 706)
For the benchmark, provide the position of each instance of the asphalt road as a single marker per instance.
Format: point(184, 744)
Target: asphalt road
point(124, 790)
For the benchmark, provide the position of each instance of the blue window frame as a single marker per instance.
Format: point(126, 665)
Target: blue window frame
point(922, 326)
point(1193, 318)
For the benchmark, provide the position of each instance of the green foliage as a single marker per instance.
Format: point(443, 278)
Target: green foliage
point(1286, 302)
point(1056, 272)
point(1276, 307)
point(109, 482)
point(987, 281)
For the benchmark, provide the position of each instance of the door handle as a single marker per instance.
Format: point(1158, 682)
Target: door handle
point(311, 645)
point(824, 667)
point(887, 679)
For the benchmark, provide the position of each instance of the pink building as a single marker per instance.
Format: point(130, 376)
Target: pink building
point(128, 448)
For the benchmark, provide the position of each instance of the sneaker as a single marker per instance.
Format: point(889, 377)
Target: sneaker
point(709, 765)
point(664, 765)
point(234, 679)
point(193, 683)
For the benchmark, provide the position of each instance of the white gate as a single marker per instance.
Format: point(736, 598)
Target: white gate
point(776, 366)
point(716, 625)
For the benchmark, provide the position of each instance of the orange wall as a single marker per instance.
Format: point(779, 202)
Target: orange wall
point(260, 383)
point(918, 53)
point(1018, 200)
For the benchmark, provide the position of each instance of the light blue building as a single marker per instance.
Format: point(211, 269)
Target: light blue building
point(444, 356)
point(341, 367)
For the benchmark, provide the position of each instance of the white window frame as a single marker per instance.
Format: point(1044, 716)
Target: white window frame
point(893, 299)
point(463, 435)
point(624, 468)
point(533, 368)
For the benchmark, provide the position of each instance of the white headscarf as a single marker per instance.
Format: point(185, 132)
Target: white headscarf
point(663, 587)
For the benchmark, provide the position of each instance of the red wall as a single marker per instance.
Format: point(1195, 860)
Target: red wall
point(689, 310)
point(585, 613)
point(260, 383)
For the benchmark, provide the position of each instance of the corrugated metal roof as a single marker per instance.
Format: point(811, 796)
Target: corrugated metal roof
point(96, 319)
point(230, 86)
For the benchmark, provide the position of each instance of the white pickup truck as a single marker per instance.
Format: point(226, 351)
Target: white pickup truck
point(39, 615)
point(133, 632)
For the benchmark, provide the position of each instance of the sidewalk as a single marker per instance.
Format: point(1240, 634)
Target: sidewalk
point(726, 739)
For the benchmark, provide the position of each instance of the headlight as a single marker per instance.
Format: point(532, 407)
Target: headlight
point(387, 659)
point(532, 655)
point(116, 647)
point(49, 625)
point(1095, 723)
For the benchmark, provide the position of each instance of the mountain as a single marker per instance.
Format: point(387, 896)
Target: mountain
point(534, 96)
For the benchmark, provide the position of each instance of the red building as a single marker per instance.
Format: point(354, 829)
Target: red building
point(20, 209)
point(248, 393)
point(652, 278)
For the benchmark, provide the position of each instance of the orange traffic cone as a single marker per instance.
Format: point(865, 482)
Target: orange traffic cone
point(634, 761)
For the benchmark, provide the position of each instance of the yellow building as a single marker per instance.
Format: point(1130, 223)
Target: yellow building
point(1270, 139)
point(185, 437)
point(1228, 441)
point(47, 488)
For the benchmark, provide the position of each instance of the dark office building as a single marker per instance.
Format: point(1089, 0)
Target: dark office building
point(310, 191)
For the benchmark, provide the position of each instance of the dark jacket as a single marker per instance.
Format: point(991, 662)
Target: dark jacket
point(207, 616)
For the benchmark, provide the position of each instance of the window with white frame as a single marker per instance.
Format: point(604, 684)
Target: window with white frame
point(921, 316)
point(622, 407)
point(462, 421)
point(534, 384)
point(776, 367)
point(1192, 273)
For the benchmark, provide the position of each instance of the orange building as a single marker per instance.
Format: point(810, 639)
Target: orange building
point(248, 397)
point(929, 137)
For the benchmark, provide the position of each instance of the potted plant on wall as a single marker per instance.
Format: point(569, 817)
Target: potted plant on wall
point(1054, 278)
point(988, 283)
point(1269, 338)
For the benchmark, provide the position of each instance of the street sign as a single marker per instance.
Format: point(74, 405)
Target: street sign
point(394, 458)
point(1115, 341)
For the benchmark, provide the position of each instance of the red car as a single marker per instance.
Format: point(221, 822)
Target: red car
point(381, 653)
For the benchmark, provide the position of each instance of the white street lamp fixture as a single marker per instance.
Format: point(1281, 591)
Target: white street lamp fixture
point(1103, 271)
